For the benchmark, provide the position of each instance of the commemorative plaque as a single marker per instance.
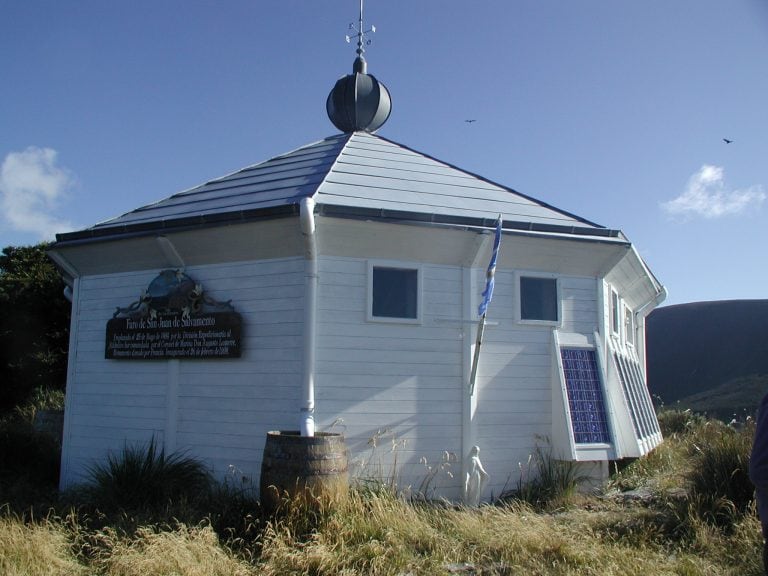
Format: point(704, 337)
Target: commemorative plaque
point(174, 319)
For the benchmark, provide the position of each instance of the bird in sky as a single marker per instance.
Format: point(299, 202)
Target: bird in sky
point(469, 121)
point(727, 141)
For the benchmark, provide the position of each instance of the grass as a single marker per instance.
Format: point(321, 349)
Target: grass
point(36, 548)
point(377, 532)
point(545, 482)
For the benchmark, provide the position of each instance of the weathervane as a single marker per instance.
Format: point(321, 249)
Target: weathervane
point(358, 101)
point(361, 32)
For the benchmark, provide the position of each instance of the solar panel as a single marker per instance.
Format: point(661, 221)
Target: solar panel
point(636, 394)
point(585, 396)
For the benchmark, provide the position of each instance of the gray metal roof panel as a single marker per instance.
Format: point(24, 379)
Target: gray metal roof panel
point(364, 171)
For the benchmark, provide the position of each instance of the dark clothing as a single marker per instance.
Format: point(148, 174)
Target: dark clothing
point(758, 471)
point(758, 463)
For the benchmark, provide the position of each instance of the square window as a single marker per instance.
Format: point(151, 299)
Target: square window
point(395, 293)
point(538, 299)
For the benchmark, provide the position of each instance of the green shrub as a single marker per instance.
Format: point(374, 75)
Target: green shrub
point(29, 463)
point(145, 478)
point(41, 398)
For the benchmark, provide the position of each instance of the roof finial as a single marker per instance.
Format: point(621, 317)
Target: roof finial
point(358, 101)
point(361, 41)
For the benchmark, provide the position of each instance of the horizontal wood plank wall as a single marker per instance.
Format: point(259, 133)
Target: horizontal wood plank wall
point(110, 403)
point(514, 385)
point(225, 407)
point(394, 389)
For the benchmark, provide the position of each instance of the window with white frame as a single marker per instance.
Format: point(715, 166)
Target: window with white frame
point(629, 326)
point(393, 293)
point(615, 312)
point(539, 299)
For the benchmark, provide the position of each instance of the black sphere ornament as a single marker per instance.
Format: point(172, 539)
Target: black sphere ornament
point(358, 101)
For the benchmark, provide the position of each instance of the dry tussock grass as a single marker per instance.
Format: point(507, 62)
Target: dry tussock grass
point(32, 549)
point(381, 535)
point(189, 551)
point(375, 533)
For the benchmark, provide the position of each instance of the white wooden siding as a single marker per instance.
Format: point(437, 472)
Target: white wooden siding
point(401, 387)
point(396, 385)
point(223, 408)
point(514, 385)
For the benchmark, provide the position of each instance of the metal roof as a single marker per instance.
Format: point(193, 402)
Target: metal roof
point(354, 175)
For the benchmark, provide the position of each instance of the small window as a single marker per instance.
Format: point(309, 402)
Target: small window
point(394, 293)
point(629, 326)
point(538, 299)
point(615, 313)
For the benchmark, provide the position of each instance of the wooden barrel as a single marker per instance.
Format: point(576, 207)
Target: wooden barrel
point(311, 467)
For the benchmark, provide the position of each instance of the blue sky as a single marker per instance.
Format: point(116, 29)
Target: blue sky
point(614, 110)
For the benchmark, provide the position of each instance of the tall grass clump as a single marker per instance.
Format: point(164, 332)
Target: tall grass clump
point(32, 549)
point(665, 467)
point(673, 422)
point(146, 478)
point(545, 481)
point(720, 489)
point(191, 551)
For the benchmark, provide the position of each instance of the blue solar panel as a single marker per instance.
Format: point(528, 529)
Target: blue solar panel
point(636, 394)
point(585, 396)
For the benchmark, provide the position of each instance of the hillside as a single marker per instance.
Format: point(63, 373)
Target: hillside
point(709, 356)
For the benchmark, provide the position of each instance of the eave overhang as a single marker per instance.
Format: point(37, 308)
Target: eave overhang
point(202, 221)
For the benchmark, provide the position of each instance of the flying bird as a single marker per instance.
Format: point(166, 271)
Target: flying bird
point(727, 141)
point(470, 121)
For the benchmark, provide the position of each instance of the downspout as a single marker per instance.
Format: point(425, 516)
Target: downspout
point(308, 230)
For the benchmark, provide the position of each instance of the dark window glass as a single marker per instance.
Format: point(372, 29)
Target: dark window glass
point(395, 292)
point(538, 299)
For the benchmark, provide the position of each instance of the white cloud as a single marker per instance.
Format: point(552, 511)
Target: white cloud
point(707, 195)
point(31, 186)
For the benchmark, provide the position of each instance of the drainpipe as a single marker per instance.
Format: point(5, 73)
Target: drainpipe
point(307, 220)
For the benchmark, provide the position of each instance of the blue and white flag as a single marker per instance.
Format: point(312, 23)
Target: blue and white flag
point(491, 272)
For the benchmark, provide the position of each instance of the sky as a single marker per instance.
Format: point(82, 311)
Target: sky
point(614, 110)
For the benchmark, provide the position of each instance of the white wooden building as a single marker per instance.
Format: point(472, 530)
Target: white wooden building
point(357, 266)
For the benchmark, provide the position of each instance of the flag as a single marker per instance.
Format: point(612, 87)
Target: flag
point(491, 272)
